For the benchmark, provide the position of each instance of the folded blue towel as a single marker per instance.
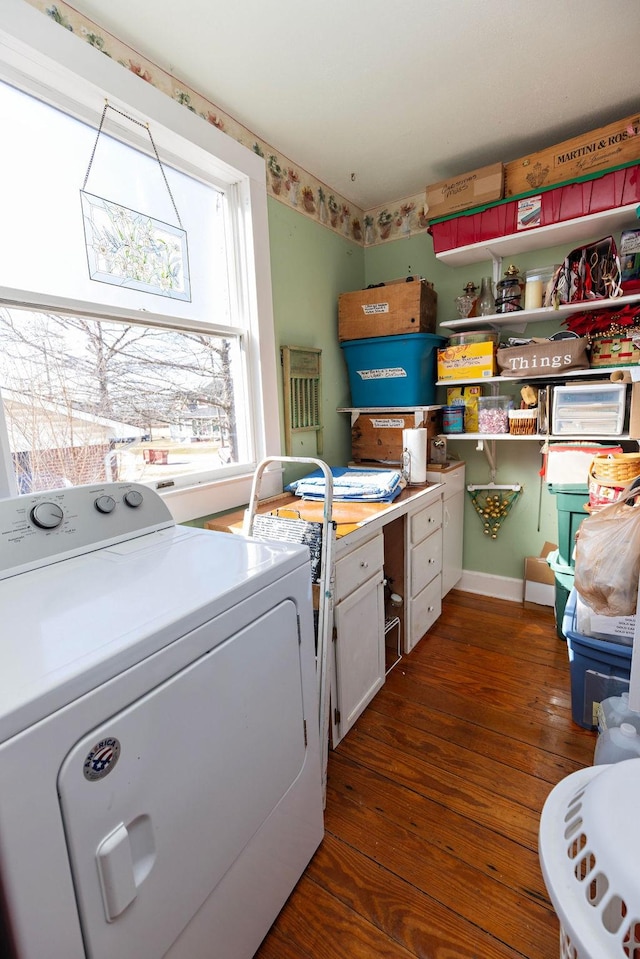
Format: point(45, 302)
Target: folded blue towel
point(350, 484)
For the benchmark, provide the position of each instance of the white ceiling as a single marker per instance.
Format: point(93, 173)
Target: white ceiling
point(377, 98)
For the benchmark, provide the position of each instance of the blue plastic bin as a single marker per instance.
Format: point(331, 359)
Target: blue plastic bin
point(599, 669)
point(393, 370)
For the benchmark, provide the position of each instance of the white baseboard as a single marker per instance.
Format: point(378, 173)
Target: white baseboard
point(502, 587)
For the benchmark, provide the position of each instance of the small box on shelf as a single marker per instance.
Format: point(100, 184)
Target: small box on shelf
point(465, 191)
point(466, 362)
point(377, 437)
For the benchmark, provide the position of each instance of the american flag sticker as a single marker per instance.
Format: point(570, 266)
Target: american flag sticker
point(102, 759)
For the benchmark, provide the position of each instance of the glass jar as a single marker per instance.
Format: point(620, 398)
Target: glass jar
point(493, 414)
point(509, 295)
point(453, 419)
point(534, 290)
point(486, 305)
point(466, 303)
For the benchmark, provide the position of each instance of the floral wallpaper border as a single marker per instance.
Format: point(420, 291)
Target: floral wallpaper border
point(286, 181)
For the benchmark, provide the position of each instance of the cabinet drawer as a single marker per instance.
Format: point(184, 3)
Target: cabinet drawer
point(453, 482)
point(423, 522)
point(359, 566)
point(425, 610)
point(426, 561)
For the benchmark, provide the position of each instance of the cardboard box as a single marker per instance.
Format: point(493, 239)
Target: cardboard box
point(465, 191)
point(539, 579)
point(600, 149)
point(377, 437)
point(467, 362)
point(466, 396)
point(398, 307)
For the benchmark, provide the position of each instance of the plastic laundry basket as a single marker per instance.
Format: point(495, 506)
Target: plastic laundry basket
point(589, 854)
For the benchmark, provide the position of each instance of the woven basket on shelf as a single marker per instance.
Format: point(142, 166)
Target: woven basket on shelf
point(523, 422)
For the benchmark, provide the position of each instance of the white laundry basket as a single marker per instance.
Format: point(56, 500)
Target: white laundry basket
point(590, 858)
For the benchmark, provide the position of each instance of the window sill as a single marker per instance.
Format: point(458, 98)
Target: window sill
point(191, 503)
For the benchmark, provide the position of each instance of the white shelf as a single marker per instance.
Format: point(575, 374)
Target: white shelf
point(561, 438)
point(522, 317)
point(603, 372)
point(538, 238)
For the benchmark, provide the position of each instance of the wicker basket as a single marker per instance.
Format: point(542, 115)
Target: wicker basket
point(523, 422)
point(617, 468)
point(609, 474)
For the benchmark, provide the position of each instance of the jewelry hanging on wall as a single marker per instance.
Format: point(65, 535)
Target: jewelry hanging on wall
point(131, 249)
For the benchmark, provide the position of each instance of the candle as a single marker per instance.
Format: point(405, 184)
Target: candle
point(533, 295)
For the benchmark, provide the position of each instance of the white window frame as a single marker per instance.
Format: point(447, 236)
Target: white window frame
point(41, 58)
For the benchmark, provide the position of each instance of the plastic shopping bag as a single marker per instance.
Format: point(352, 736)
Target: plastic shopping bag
point(607, 561)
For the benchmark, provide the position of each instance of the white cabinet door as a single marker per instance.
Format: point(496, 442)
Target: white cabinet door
point(452, 526)
point(425, 610)
point(452, 523)
point(359, 653)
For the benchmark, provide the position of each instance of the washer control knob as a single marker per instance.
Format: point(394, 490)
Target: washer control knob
point(105, 504)
point(47, 515)
point(133, 498)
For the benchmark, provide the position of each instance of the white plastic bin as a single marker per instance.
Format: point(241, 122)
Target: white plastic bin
point(588, 408)
point(589, 847)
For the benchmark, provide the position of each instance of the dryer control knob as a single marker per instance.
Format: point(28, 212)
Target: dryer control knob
point(133, 498)
point(105, 504)
point(47, 515)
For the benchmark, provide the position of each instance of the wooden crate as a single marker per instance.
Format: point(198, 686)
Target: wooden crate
point(376, 437)
point(594, 152)
point(465, 191)
point(398, 307)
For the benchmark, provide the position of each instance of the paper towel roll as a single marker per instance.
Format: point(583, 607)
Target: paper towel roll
point(414, 443)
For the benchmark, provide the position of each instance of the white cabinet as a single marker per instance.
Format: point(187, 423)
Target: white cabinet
point(452, 522)
point(359, 645)
point(423, 571)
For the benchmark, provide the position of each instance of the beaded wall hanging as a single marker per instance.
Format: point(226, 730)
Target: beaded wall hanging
point(493, 504)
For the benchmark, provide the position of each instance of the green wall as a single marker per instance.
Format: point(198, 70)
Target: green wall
point(310, 267)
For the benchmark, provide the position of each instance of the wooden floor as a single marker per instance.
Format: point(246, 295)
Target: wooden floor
point(434, 800)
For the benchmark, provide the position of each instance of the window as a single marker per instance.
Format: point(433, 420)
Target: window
point(100, 378)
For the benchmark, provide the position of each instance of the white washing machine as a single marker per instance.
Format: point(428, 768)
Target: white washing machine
point(160, 787)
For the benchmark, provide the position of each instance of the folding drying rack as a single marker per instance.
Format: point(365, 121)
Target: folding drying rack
point(325, 577)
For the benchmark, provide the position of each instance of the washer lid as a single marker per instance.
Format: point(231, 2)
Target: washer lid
point(68, 627)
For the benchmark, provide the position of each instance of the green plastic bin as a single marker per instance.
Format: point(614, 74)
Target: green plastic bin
point(564, 576)
point(570, 506)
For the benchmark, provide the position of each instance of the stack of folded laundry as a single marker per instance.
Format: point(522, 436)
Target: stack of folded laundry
point(363, 486)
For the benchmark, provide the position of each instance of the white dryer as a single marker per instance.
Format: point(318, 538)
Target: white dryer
point(160, 786)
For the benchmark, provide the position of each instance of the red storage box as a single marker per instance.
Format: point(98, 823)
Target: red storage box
point(567, 202)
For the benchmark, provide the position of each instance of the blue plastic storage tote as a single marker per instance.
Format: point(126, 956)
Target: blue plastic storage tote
point(393, 370)
point(599, 669)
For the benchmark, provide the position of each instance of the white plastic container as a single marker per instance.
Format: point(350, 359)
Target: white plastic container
point(615, 711)
point(589, 408)
point(616, 744)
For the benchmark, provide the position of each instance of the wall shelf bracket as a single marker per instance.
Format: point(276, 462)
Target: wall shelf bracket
point(488, 447)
